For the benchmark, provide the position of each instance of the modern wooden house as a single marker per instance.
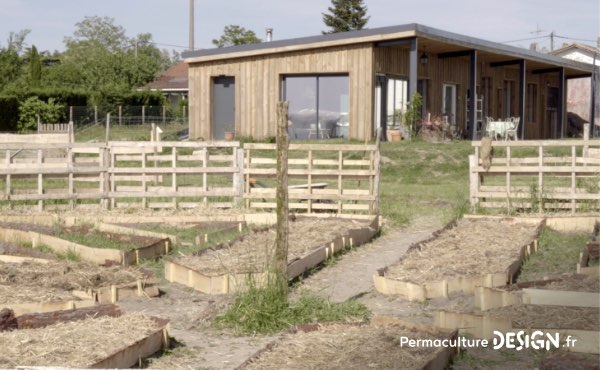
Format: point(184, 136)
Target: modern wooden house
point(347, 84)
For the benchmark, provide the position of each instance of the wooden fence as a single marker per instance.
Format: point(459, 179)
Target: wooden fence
point(537, 176)
point(323, 177)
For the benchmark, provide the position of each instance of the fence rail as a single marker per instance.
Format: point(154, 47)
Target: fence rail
point(537, 176)
point(116, 174)
point(334, 178)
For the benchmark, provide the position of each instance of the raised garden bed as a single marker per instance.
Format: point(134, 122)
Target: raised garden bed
point(573, 290)
point(100, 247)
point(105, 342)
point(191, 233)
point(32, 285)
point(346, 346)
point(226, 268)
point(581, 323)
point(460, 257)
point(589, 256)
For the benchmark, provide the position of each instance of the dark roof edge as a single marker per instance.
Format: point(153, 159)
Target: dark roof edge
point(299, 41)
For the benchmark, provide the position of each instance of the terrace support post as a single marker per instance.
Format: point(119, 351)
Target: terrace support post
point(522, 90)
point(281, 238)
point(413, 58)
point(473, 98)
point(561, 103)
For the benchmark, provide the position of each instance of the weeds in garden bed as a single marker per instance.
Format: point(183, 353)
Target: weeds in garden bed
point(265, 310)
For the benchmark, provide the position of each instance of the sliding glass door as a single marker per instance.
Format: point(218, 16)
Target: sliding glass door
point(318, 106)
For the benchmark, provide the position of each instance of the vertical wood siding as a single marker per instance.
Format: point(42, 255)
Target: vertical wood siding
point(258, 88)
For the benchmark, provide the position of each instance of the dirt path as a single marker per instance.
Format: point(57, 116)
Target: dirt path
point(351, 275)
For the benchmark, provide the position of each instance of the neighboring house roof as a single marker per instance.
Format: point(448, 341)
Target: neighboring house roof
point(576, 47)
point(579, 52)
point(173, 79)
point(382, 34)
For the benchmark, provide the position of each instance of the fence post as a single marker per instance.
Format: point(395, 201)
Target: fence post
point(164, 114)
point(183, 113)
point(281, 238)
point(95, 114)
point(71, 132)
point(143, 114)
point(586, 139)
point(120, 115)
point(376, 166)
point(70, 113)
point(238, 177)
point(473, 180)
point(38, 124)
point(107, 127)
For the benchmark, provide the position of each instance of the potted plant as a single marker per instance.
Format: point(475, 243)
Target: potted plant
point(229, 132)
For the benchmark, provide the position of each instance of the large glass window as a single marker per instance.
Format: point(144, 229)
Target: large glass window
point(318, 106)
point(397, 98)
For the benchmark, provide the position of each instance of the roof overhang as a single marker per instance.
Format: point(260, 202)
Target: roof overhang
point(431, 38)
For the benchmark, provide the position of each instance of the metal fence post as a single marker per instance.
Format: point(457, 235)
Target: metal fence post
point(164, 111)
point(120, 114)
point(95, 114)
point(143, 114)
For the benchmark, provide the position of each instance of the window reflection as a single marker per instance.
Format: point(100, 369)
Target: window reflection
point(318, 106)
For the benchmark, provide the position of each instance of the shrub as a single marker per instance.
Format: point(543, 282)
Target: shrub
point(30, 109)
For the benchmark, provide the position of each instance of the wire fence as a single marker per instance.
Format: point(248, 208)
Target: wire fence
point(82, 116)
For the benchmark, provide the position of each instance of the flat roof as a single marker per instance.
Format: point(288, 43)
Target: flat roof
point(375, 35)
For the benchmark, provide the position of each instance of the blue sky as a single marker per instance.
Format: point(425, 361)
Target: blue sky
point(167, 20)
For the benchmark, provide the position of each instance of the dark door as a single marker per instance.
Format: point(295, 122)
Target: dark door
point(552, 120)
point(223, 107)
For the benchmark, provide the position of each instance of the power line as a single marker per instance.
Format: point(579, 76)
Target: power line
point(527, 39)
point(572, 38)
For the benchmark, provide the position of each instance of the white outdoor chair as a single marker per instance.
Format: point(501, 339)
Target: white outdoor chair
point(322, 132)
point(512, 131)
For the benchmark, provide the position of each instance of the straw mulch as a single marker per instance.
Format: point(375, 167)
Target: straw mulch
point(549, 317)
point(26, 282)
point(473, 247)
point(77, 344)
point(32, 294)
point(253, 252)
point(346, 347)
point(576, 283)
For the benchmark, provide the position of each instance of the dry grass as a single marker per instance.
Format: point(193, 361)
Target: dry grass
point(77, 344)
point(473, 247)
point(252, 253)
point(33, 294)
point(549, 317)
point(346, 347)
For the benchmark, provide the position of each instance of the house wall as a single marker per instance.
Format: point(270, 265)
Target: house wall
point(394, 61)
point(258, 87)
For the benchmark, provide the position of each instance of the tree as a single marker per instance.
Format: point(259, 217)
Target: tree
point(35, 68)
point(345, 15)
point(236, 35)
point(11, 61)
point(100, 30)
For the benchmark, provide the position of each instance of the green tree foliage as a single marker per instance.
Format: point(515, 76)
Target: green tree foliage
point(236, 35)
point(35, 68)
point(11, 62)
point(30, 109)
point(345, 15)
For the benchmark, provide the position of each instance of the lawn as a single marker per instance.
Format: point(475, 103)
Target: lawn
point(424, 181)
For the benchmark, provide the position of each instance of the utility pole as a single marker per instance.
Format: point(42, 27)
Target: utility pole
point(552, 41)
point(191, 47)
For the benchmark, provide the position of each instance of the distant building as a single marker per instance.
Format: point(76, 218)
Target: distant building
point(579, 89)
point(173, 83)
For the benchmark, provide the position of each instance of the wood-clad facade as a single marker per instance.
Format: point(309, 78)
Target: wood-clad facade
point(511, 82)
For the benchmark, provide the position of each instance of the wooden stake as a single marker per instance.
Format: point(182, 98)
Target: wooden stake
point(281, 240)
